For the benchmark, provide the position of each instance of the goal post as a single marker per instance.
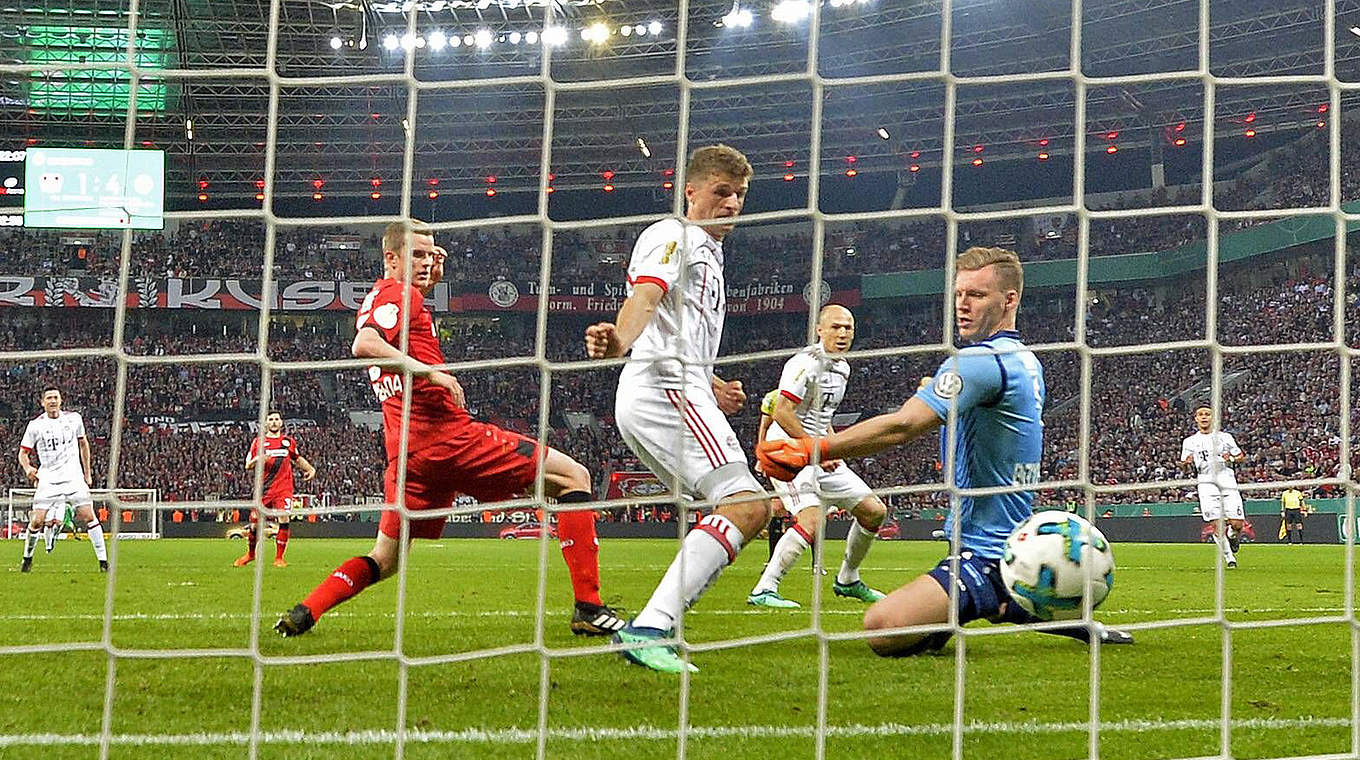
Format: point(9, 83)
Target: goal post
point(128, 512)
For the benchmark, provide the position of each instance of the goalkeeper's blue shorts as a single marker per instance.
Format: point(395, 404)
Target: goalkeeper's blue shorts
point(981, 590)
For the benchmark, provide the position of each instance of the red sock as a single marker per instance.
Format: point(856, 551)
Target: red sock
point(354, 575)
point(250, 538)
point(581, 550)
point(281, 541)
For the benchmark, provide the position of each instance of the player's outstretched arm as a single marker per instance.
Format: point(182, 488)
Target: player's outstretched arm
point(30, 471)
point(783, 459)
point(610, 340)
point(370, 344)
point(787, 419)
point(308, 471)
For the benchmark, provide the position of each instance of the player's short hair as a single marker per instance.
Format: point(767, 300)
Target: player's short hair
point(1201, 405)
point(394, 235)
point(273, 412)
point(1007, 263)
point(718, 159)
point(48, 389)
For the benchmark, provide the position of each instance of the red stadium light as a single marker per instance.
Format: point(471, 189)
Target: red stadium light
point(977, 162)
point(1113, 149)
point(916, 154)
point(1321, 124)
point(1043, 155)
point(491, 192)
point(788, 177)
point(202, 184)
point(851, 173)
point(146, 143)
point(1043, 143)
point(850, 159)
point(375, 115)
point(375, 195)
point(788, 164)
point(607, 175)
point(317, 183)
point(1111, 135)
point(551, 176)
point(490, 179)
point(977, 148)
point(432, 181)
point(1323, 108)
point(551, 189)
point(432, 194)
point(1179, 142)
point(32, 141)
point(1250, 133)
point(202, 197)
point(259, 196)
point(316, 196)
point(1180, 126)
point(668, 173)
point(1250, 117)
point(375, 182)
point(914, 168)
point(668, 185)
point(259, 184)
point(608, 187)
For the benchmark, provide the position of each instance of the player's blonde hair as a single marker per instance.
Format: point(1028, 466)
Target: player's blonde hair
point(717, 159)
point(394, 236)
point(1008, 270)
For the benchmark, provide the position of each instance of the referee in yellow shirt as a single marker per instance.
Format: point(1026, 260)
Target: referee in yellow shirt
point(1292, 507)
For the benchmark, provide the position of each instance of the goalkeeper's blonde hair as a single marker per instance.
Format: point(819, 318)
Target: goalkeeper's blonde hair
point(717, 159)
point(394, 236)
point(1009, 272)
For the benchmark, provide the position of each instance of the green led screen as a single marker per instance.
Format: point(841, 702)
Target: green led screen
point(100, 91)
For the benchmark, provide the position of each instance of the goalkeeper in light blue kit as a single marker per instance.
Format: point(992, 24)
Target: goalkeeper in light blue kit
point(996, 386)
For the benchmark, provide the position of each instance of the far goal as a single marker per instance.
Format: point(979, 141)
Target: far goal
point(134, 513)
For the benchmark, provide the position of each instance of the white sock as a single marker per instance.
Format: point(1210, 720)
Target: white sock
point(710, 547)
point(97, 540)
point(786, 552)
point(49, 536)
point(857, 545)
point(1223, 547)
point(30, 542)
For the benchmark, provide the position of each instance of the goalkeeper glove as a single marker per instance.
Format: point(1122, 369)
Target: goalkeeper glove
point(782, 460)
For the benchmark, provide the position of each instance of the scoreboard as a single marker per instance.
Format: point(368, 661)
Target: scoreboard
point(11, 188)
point(94, 188)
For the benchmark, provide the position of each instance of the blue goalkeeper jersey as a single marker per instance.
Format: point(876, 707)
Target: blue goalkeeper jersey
point(998, 386)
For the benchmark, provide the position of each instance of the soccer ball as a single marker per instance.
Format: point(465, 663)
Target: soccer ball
point(1051, 559)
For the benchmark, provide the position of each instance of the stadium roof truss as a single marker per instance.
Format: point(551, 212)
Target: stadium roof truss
point(216, 53)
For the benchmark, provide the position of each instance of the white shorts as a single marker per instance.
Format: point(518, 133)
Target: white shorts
point(698, 447)
point(840, 488)
point(50, 496)
point(1215, 500)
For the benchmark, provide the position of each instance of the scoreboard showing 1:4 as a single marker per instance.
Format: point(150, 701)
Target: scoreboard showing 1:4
point(94, 188)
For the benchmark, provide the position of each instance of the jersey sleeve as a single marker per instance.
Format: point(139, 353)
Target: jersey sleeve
point(30, 440)
point(971, 379)
point(293, 452)
point(1186, 453)
point(80, 425)
point(1230, 444)
point(254, 449)
point(656, 256)
point(797, 378)
point(384, 311)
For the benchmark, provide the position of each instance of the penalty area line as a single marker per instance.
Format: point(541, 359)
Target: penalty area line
point(515, 735)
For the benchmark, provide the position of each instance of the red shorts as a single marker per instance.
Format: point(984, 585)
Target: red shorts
point(480, 460)
point(275, 502)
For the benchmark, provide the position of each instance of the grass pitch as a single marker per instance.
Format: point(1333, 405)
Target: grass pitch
point(1025, 695)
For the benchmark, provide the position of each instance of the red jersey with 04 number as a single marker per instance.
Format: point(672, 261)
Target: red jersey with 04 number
point(279, 453)
point(385, 309)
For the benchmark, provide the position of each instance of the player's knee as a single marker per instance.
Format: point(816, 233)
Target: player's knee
point(870, 513)
point(566, 474)
point(877, 618)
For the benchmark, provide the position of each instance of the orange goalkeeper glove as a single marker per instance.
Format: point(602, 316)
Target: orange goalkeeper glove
point(782, 460)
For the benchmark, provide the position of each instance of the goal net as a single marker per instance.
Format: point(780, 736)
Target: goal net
point(1190, 312)
point(126, 512)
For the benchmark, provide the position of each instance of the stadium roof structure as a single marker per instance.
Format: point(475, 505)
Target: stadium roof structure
point(344, 106)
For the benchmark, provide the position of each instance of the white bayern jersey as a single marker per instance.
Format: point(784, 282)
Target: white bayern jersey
point(815, 383)
point(57, 442)
point(1207, 450)
point(687, 264)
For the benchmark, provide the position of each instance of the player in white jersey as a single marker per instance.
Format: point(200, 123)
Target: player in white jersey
point(1212, 454)
point(811, 388)
point(670, 407)
point(62, 474)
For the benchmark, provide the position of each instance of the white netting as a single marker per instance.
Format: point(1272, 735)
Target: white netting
point(252, 736)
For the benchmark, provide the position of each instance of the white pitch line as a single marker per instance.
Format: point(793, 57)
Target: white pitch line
point(516, 735)
point(177, 616)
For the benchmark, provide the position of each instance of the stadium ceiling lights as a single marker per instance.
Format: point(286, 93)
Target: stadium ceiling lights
point(737, 18)
point(790, 11)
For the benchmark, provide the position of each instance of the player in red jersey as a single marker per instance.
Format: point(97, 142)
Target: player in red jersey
point(448, 452)
point(280, 452)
